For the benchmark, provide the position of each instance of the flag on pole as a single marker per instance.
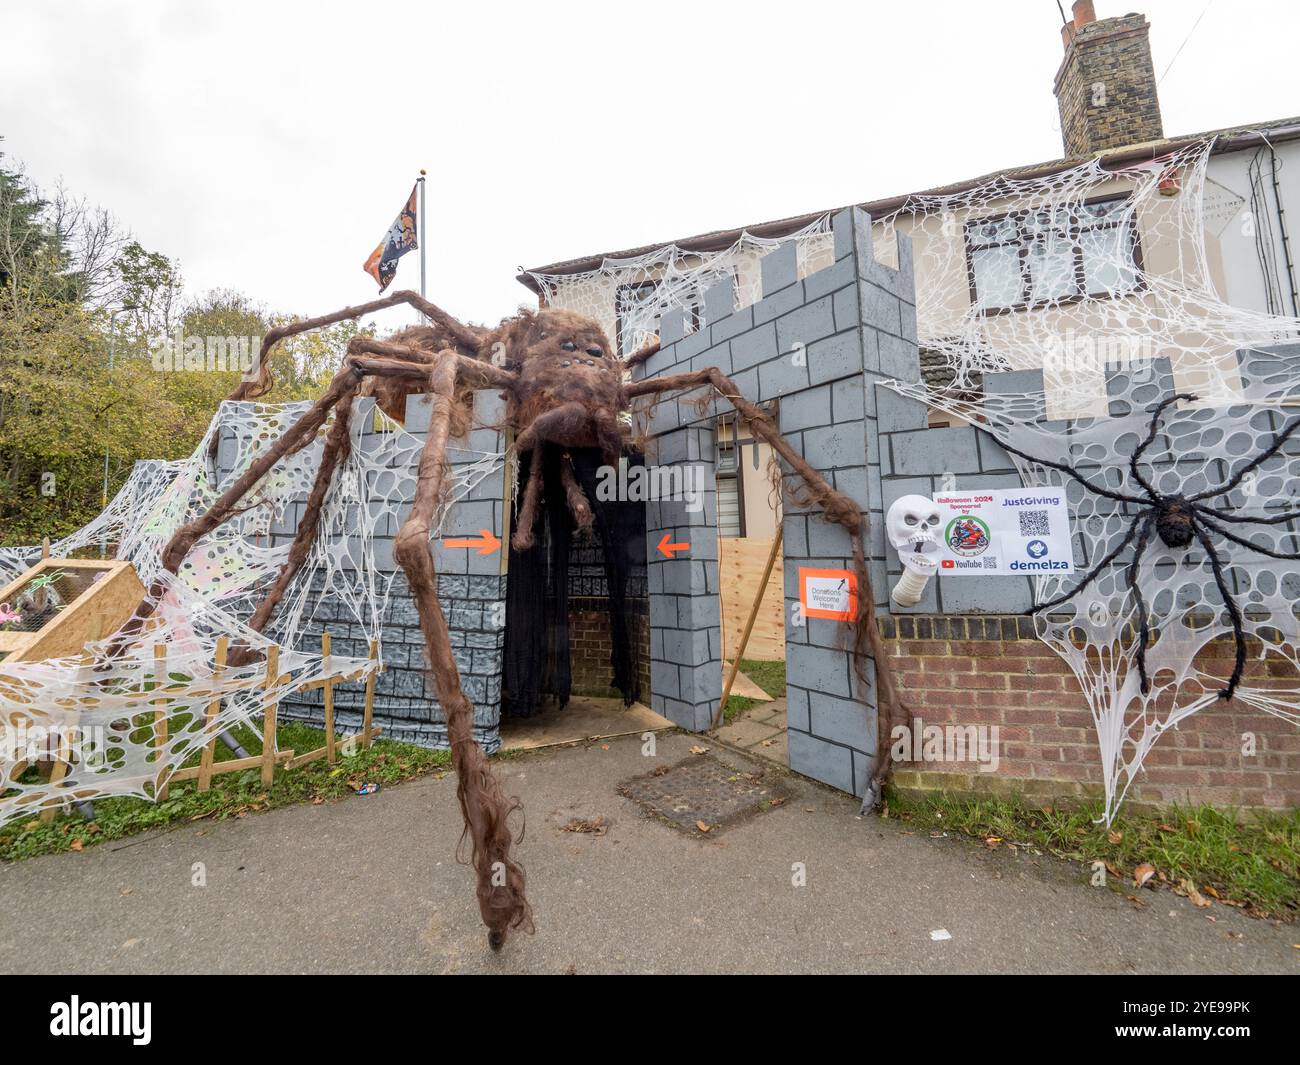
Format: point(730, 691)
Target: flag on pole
point(400, 238)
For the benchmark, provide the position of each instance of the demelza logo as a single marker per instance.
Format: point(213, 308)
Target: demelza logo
point(103, 1018)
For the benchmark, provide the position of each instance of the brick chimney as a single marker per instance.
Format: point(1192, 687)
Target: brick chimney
point(1106, 85)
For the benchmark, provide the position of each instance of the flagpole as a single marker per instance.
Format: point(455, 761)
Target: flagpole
point(424, 239)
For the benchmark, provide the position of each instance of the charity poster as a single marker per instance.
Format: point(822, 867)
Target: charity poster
point(1009, 531)
point(828, 593)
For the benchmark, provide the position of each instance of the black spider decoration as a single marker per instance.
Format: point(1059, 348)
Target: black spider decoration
point(1177, 520)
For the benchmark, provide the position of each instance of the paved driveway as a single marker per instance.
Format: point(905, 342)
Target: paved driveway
point(370, 885)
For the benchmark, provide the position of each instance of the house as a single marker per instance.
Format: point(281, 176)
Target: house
point(1133, 251)
point(1223, 220)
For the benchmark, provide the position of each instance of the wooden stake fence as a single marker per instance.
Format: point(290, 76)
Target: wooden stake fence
point(157, 719)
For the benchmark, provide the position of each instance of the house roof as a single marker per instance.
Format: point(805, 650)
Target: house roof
point(1225, 140)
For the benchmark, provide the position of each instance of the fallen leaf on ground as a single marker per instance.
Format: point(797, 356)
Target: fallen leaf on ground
point(1186, 887)
point(76, 845)
point(697, 749)
point(1115, 837)
point(1143, 873)
point(593, 826)
point(703, 826)
point(940, 934)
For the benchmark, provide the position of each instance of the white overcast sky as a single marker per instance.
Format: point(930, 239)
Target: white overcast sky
point(268, 145)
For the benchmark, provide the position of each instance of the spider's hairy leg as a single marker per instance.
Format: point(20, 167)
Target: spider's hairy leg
point(1253, 464)
point(1096, 570)
point(1242, 541)
point(558, 425)
point(523, 538)
point(298, 436)
point(581, 510)
point(650, 347)
point(338, 444)
point(1152, 429)
point(261, 382)
point(1219, 514)
point(484, 806)
point(1234, 612)
point(1070, 471)
point(1132, 575)
point(294, 439)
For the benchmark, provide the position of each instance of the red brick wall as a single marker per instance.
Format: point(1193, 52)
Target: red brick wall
point(589, 647)
point(992, 671)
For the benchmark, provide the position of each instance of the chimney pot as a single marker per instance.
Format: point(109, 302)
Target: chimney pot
point(1083, 13)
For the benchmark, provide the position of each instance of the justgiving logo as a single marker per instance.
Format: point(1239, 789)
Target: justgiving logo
point(103, 1018)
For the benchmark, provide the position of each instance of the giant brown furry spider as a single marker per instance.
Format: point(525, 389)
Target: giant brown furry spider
point(565, 397)
point(1177, 520)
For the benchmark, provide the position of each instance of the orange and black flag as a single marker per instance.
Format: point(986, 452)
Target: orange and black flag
point(400, 238)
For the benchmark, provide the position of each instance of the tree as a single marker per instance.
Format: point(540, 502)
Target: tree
point(76, 293)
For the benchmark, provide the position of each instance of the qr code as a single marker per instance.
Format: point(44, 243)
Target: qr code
point(1034, 523)
point(990, 563)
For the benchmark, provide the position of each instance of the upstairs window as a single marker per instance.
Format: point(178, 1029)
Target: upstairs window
point(1030, 259)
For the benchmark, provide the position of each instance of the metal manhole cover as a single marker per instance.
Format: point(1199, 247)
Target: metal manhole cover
point(703, 791)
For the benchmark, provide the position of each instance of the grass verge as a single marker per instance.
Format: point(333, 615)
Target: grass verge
point(1251, 862)
point(231, 794)
point(770, 676)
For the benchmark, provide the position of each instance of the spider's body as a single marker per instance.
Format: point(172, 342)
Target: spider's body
point(1175, 521)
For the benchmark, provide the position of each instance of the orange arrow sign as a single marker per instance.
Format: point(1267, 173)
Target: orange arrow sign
point(485, 542)
point(667, 550)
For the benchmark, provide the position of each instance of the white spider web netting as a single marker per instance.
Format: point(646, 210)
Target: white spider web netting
point(1098, 284)
point(628, 296)
point(103, 711)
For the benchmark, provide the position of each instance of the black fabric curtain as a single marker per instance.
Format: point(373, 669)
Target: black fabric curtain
point(537, 660)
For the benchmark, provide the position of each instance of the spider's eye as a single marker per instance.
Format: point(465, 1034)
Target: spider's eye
point(569, 345)
point(595, 352)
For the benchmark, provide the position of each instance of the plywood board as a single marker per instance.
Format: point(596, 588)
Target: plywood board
point(743, 686)
point(741, 560)
point(106, 595)
point(583, 719)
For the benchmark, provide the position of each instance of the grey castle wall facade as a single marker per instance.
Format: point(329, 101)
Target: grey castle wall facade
point(471, 588)
point(817, 345)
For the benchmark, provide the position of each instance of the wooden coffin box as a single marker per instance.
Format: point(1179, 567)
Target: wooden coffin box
point(65, 604)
